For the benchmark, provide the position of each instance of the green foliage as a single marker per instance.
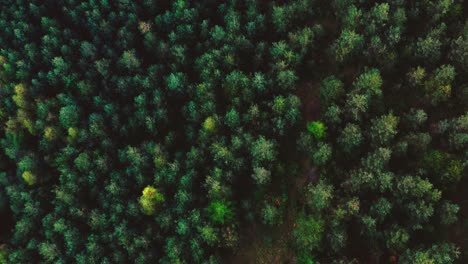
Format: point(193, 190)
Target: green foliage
point(206, 100)
point(72, 134)
point(232, 118)
point(348, 43)
point(20, 96)
point(397, 239)
point(209, 235)
point(322, 154)
point(381, 209)
point(129, 60)
point(369, 83)
point(356, 105)
point(319, 197)
point(3, 254)
point(308, 233)
point(449, 213)
point(29, 177)
point(317, 129)
point(350, 137)
point(176, 82)
point(441, 165)
point(150, 200)
point(83, 162)
point(263, 150)
point(380, 12)
point(221, 212)
point(460, 48)
point(416, 76)
point(439, 253)
point(384, 129)
point(209, 125)
point(271, 215)
point(331, 89)
point(69, 116)
point(332, 114)
point(261, 175)
point(305, 258)
point(48, 252)
point(429, 47)
point(439, 88)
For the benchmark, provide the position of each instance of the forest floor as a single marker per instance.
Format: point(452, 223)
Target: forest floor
point(260, 244)
point(459, 232)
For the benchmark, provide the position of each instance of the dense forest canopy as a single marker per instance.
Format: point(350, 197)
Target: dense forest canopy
point(237, 131)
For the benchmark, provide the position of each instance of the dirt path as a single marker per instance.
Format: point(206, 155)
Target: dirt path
point(271, 245)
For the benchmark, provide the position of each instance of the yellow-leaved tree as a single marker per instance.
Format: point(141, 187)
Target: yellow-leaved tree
point(150, 200)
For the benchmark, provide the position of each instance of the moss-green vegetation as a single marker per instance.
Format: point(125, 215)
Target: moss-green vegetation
point(187, 131)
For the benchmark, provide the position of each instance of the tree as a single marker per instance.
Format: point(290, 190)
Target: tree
point(369, 83)
point(448, 213)
point(443, 253)
point(258, 82)
point(352, 17)
point(3, 254)
point(459, 46)
point(261, 175)
point(305, 258)
point(308, 233)
point(439, 9)
point(263, 150)
point(129, 60)
point(83, 162)
point(441, 165)
point(69, 116)
point(280, 17)
point(236, 82)
point(383, 129)
point(48, 251)
point(356, 105)
point(20, 97)
point(380, 13)
point(286, 80)
point(438, 88)
point(232, 119)
point(381, 209)
point(209, 235)
point(207, 104)
point(29, 177)
point(322, 154)
point(347, 44)
point(350, 137)
point(331, 89)
point(88, 50)
point(284, 57)
point(271, 215)
point(150, 200)
point(319, 197)
point(416, 118)
point(175, 82)
point(416, 76)
point(317, 129)
point(397, 239)
point(209, 125)
point(429, 47)
point(220, 212)
point(418, 197)
point(337, 237)
point(454, 171)
point(332, 114)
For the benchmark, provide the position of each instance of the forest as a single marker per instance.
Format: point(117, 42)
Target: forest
point(234, 131)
